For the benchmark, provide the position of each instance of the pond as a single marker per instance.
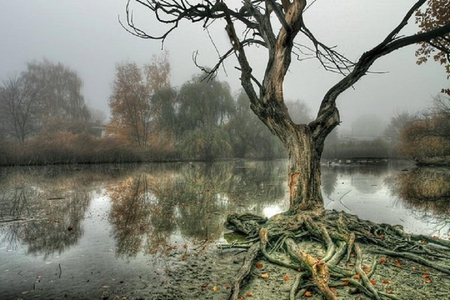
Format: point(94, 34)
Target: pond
point(89, 232)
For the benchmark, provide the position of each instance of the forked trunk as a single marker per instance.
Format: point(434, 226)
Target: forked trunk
point(304, 176)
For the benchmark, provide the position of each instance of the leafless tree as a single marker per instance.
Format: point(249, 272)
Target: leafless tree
point(18, 104)
point(275, 25)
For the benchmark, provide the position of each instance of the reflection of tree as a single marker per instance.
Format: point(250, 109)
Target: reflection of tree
point(426, 191)
point(140, 215)
point(44, 206)
point(329, 180)
point(151, 204)
point(63, 229)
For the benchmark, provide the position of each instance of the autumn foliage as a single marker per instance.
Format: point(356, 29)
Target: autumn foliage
point(435, 14)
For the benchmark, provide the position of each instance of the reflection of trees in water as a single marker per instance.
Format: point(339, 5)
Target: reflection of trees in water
point(426, 192)
point(42, 207)
point(329, 180)
point(152, 203)
point(140, 215)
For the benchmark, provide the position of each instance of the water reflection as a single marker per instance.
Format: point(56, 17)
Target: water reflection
point(45, 209)
point(426, 192)
point(193, 199)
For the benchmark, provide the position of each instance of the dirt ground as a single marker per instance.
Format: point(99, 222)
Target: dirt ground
point(209, 274)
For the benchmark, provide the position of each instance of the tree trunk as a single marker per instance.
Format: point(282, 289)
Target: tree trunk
point(304, 177)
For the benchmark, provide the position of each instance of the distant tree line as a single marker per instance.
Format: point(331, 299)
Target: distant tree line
point(200, 120)
point(44, 120)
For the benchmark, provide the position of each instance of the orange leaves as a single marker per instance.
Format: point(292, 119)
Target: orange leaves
point(308, 294)
point(357, 276)
point(249, 294)
point(373, 282)
point(286, 278)
point(259, 265)
point(366, 269)
point(427, 278)
point(383, 260)
point(385, 281)
point(398, 264)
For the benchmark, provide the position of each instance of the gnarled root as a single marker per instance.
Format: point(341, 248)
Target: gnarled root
point(340, 237)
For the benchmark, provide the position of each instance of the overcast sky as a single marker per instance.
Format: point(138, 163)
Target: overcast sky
point(86, 36)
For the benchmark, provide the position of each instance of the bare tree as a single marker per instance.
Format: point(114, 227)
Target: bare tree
point(304, 142)
point(274, 25)
point(18, 105)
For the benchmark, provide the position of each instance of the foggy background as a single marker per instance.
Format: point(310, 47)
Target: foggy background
point(86, 36)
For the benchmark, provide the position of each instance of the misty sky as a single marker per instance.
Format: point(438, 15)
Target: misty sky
point(86, 36)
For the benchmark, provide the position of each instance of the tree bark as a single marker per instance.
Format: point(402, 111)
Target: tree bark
point(304, 176)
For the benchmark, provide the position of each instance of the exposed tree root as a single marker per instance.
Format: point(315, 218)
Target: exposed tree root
point(337, 266)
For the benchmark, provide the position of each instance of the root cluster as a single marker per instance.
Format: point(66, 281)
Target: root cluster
point(326, 251)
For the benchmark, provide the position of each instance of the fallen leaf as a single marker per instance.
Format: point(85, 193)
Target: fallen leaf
point(357, 276)
point(259, 265)
point(215, 288)
point(383, 260)
point(425, 275)
point(380, 236)
point(184, 257)
point(385, 281)
point(397, 263)
point(390, 291)
point(345, 283)
point(228, 286)
point(428, 280)
point(249, 294)
point(286, 278)
point(265, 275)
point(308, 294)
point(373, 282)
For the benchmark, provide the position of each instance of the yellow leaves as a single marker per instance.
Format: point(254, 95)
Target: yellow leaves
point(265, 275)
point(215, 288)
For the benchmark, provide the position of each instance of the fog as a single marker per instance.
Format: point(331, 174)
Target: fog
point(86, 36)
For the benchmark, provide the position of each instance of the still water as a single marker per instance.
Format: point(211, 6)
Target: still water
point(79, 232)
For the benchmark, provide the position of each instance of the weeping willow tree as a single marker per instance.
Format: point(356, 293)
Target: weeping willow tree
point(275, 26)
